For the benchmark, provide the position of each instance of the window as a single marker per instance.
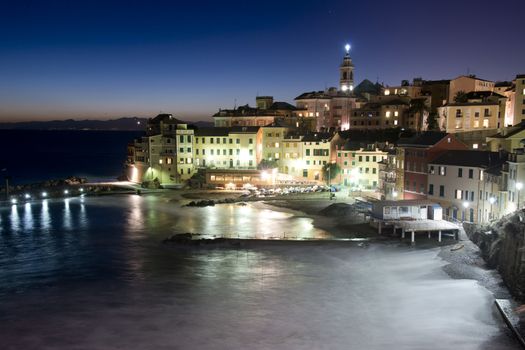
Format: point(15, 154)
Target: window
point(211, 139)
point(237, 141)
point(475, 146)
point(307, 152)
point(181, 138)
point(360, 158)
point(441, 190)
point(250, 141)
point(471, 173)
point(460, 172)
point(431, 171)
point(305, 172)
point(472, 196)
point(218, 140)
point(388, 114)
point(189, 138)
point(459, 194)
point(367, 158)
point(442, 171)
point(431, 189)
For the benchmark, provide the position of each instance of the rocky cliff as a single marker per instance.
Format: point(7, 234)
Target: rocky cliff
point(502, 245)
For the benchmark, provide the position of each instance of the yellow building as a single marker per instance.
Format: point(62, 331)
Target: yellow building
point(222, 148)
point(165, 154)
point(479, 110)
point(315, 154)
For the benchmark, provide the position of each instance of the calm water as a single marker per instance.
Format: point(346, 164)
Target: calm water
point(91, 274)
point(35, 155)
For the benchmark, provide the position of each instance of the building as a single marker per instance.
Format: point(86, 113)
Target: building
point(413, 155)
point(381, 113)
point(266, 113)
point(387, 176)
point(165, 154)
point(468, 83)
point(332, 106)
point(478, 110)
point(316, 154)
point(457, 181)
point(227, 148)
point(508, 139)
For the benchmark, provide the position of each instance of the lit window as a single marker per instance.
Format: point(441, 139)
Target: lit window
point(388, 114)
point(387, 92)
point(276, 155)
point(395, 122)
point(475, 146)
point(458, 194)
point(485, 123)
point(396, 114)
point(476, 123)
point(160, 161)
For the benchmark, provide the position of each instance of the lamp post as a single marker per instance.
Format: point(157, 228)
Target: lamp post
point(492, 200)
point(465, 205)
point(519, 186)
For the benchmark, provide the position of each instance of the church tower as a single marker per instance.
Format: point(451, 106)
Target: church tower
point(346, 72)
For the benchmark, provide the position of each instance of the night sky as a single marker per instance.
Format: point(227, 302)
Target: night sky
point(90, 59)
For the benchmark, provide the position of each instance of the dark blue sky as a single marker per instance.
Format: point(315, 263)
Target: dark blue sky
point(90, 59)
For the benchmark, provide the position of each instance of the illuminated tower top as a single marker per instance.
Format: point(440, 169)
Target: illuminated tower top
point(346, 72)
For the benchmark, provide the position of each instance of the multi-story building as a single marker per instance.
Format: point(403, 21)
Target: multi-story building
point(479, 110)
point(316, 154)
point(332, 106)
point(468, 83)
point(382, 113)
point(271, 142)
point(508, 139)
point(266, 113)
point(413, 155)
point(165, 154)
point(227, 148)
point(387, 176)
point(292, 160)
point(457, 180)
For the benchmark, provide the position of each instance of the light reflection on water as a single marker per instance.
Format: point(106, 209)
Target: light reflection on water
point(92, 270)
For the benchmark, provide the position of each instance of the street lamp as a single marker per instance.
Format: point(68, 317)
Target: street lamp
point(519, 186)
point(492, 200)
point(394, 194)
point(465, 205)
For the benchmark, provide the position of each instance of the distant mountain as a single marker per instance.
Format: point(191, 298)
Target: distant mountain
point(121, 124)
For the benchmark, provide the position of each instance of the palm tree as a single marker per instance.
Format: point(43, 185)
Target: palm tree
point(418, 106)
point(461, 97)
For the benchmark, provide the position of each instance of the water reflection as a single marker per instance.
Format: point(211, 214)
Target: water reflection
point(14, 218)
point(67, 215)
point(249, 221)
point(45, 218)
point(28, 217)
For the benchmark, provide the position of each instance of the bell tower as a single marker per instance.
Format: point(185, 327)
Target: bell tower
point(346, 72)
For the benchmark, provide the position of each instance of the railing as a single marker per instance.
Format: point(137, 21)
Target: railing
point(453, 220)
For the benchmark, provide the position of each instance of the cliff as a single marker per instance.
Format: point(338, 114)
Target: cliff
point(502, 245)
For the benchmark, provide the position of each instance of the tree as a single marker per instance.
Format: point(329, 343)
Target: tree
point(432, 121)
point(461, 97)
point(267, 164)
point(331, 168)
point(418, 106)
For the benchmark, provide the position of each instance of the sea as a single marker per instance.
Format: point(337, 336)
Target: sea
point(93, 273)
point(29, 156)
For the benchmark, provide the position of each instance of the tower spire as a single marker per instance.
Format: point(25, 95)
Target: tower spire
point(346, 72)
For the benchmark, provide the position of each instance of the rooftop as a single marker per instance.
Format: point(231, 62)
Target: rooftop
point(471, 158)
point(426, 139)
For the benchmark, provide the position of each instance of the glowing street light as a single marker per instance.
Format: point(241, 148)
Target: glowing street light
point(66, 192)
point(465, 204)
point(44, 194)
point(13, 201)
point(81, 189)
point(27, 196)
point(394, 194)
point(519, 186)
point(492, 200)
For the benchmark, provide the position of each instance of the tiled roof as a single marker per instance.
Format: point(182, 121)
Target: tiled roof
point(471, 158)
point(225, 131)
point(428, 138)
